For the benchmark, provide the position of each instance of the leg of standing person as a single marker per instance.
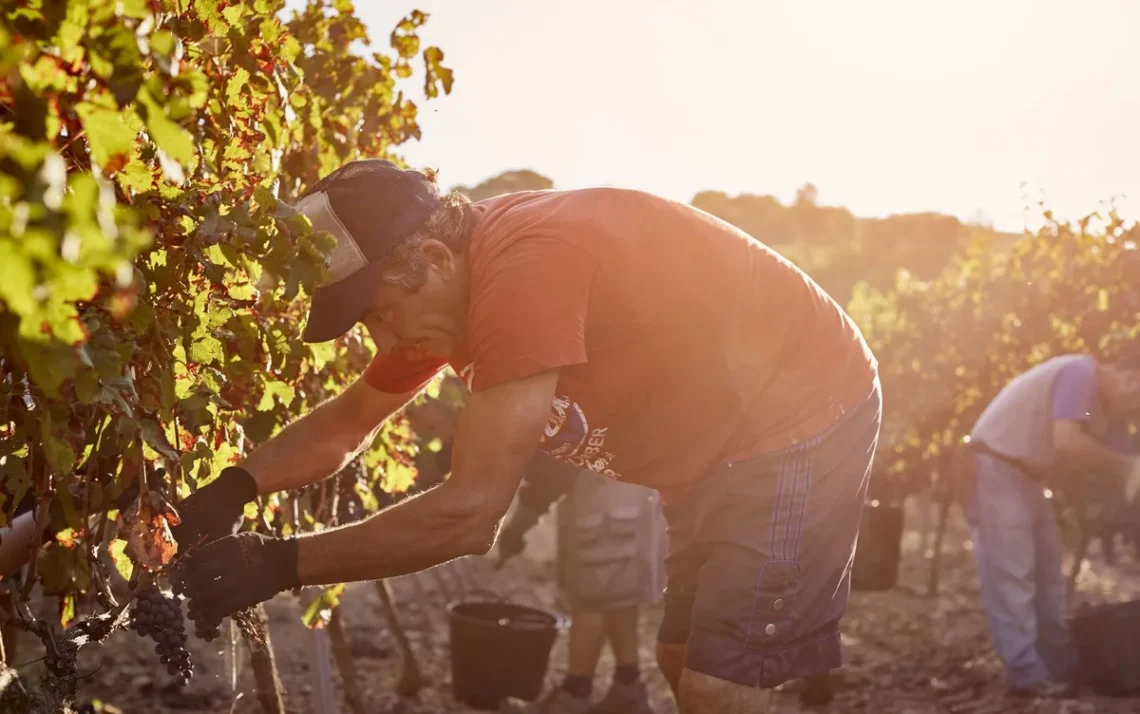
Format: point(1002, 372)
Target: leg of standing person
point(671, 662)
point(623, 635)
point(627, 693)
point(1005, 552)
point(587, 638)
point(1054, 643)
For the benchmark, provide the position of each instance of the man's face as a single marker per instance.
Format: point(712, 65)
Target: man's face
point(430, 320)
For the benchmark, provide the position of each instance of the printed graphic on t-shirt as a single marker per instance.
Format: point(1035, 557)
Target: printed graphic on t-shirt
point(568, 437)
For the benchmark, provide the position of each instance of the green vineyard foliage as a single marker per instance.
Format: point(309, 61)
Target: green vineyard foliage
point(152, 275)
point(947, 345)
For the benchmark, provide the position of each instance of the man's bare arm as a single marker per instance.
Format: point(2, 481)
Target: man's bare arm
point(323, 441)
point(496, 439)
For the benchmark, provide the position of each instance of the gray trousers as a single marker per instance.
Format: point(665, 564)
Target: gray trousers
point(611, 544)
point(1018, 553)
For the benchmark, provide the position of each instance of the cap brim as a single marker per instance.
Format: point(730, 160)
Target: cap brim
point(338, 307)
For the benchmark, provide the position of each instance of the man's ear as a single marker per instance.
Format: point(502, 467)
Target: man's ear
point(442, 257)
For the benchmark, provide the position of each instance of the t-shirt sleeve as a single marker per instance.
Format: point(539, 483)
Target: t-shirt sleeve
point(1074, 392)
point(399, 373)
point(529, 313)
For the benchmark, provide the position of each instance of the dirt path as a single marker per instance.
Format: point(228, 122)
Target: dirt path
point(905, 653)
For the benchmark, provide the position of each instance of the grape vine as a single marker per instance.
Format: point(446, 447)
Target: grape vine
point(154, 275)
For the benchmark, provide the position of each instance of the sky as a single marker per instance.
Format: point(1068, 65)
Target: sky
point(970, 107)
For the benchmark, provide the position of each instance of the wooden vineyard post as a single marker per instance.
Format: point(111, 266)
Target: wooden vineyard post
point(342, 654)
point(420, 596)
point(8, 627)
point(1078, 560)
point(939, 535)
point(411, 679)
point(441, 584)
point(463, 573)
point(254, 624)
point(3, 627)
point(322, 668)
point(955, 477)
point(422, 602)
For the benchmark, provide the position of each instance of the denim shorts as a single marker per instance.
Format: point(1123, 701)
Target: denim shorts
point(760, 554)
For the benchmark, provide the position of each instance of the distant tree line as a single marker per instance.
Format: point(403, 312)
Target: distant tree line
point(837, 248)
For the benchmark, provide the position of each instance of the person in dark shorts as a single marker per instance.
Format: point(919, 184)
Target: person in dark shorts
point(620, 332)
point(759, 600)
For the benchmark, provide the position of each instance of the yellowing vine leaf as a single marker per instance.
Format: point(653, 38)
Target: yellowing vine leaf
point(110, 137)
point(146, 529)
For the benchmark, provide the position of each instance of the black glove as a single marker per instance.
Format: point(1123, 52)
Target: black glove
point(236, 572)
point(215, 510)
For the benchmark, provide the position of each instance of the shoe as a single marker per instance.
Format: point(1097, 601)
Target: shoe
point(556, 701)
point(1045, 689)
point(624, 699)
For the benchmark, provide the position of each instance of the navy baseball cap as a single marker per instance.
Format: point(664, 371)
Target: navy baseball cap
point(369, 206)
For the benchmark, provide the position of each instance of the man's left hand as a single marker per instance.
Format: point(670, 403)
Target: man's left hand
point(237, 572)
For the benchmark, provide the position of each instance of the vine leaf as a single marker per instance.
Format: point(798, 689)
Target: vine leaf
point(123, 564)
point(147, 523)
point(319, 611)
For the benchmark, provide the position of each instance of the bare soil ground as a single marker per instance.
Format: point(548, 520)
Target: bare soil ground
point(905, 652)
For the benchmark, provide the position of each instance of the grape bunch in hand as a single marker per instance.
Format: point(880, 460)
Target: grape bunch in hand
point(159, 617)
point(202, 630)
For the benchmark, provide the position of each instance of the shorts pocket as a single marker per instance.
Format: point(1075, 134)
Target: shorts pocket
point(774, 609)
point(604, 564)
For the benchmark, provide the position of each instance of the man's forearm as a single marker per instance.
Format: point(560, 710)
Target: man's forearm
point(1087, 454)
point(308, 450)
point(415, 534)
point(323, 441)
point(496, 438)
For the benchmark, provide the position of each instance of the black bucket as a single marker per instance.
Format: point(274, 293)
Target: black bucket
point(1105, 638)
point(499, 650)
point(876, 565)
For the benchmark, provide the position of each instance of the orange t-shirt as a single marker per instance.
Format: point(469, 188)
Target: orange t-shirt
point(682, 341)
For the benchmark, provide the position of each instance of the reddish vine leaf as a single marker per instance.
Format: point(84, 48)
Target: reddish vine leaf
point(147, 526)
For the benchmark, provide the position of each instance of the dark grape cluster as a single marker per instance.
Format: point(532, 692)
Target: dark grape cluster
point(202, 630)
point(159, 617)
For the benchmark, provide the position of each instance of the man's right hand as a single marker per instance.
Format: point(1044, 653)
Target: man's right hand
point(215, 510)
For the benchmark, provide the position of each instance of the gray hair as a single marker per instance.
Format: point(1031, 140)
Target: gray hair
point(452, 224)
